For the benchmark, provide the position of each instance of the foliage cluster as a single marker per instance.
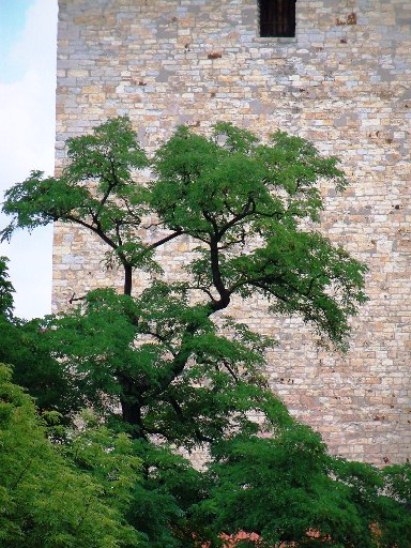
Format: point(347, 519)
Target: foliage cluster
point(161, 375)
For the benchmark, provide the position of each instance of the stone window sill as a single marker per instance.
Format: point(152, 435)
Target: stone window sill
point(276, 40)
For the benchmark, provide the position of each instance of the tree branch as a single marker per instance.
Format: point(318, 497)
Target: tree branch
point(166, 239)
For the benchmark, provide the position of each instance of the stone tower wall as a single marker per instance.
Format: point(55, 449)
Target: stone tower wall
point(344, 83)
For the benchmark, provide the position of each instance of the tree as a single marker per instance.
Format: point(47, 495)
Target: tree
point(179, 379)
point(6, 291)
point(244, 204)
point(25, 345)
point(55, 495)
point(45, 499)
point(293, 491)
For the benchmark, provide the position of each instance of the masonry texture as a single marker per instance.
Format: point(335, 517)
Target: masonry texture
point(344, 83)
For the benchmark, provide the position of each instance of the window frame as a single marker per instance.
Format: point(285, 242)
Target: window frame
point(277, 19)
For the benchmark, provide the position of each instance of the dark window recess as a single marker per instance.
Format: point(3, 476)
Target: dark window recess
point(277, 17)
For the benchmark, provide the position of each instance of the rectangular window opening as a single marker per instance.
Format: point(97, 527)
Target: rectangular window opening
point(277, 18)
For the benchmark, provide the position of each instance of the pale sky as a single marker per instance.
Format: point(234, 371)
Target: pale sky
point(28, 31)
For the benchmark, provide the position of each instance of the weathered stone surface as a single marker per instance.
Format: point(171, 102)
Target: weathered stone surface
point(344, 83)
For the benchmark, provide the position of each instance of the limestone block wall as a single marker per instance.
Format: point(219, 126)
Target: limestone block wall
point(342, 82)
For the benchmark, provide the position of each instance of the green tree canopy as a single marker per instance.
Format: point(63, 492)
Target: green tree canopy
point(246, 205)
point(156, 364)
point(25, 346)
point(45, 499)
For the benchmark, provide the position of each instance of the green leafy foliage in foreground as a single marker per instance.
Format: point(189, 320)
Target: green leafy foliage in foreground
point(162, 376)
point(291, 487)
point(45, 497)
